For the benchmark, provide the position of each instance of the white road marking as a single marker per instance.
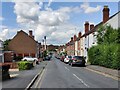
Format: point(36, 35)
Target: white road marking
point(39, 80)
point(67, 68)
point(80, 80)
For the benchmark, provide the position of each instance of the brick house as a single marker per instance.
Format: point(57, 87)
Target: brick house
point(24, 45)
point(67, 48)
point(89, 37)
point(52, 47)
point(77, 45)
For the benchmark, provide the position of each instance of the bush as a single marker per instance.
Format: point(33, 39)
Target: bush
point(105, 55)
point(25, 65)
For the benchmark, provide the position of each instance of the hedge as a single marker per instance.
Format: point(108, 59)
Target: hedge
point(25, 65)
point(105, 55)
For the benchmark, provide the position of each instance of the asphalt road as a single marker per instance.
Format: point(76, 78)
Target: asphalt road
point(60, 75)
point(23, 78)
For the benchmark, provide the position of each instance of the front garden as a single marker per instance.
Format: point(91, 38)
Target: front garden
point(107, 52)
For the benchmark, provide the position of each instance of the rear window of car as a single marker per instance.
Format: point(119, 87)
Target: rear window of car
point(69, 56)
point(79, 57)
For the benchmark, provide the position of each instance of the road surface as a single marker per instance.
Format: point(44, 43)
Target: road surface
point(60, 75)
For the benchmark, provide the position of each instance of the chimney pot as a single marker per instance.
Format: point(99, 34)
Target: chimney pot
point(31, 33)
point(71, 38)
point(75, 37)
point(79, 34)
point(91, 26)
point(86, 26)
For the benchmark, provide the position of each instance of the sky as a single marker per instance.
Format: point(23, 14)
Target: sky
point(58, 21)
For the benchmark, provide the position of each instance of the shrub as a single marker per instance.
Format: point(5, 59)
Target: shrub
point(25, 65)
point(105, 55)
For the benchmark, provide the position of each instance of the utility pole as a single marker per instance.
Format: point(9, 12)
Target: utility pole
point(45, 42)
point(43, 45)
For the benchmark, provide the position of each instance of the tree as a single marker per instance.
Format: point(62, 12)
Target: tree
point(5, 45)
point(107, 35)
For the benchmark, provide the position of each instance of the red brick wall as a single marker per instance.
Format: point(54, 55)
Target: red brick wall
point(23, 44)
point(8, 56)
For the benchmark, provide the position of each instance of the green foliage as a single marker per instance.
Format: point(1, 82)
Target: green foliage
point(107, 35)
point(25, 65)
point(105, 55)
point(107, 52)
point(5, 45)
point(45, 53)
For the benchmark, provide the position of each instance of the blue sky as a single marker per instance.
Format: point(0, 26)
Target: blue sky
point(77, 19)
point(10, 16)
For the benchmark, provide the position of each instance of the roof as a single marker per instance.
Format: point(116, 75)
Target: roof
point(96, 27)
point(26, 34)
point(93, 30)
point(71, 43)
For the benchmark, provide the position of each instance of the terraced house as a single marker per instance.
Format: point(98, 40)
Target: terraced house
point(88, 38)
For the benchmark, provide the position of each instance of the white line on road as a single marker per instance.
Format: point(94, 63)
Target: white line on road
point(39, 80)
point(67, 68)
point(80, 80)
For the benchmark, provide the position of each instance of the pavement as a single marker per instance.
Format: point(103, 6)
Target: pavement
point(60, 75)
point(21, 79)
point(105, 71)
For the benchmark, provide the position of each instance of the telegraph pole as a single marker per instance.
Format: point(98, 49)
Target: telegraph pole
point(43, 45)
point(45, 42)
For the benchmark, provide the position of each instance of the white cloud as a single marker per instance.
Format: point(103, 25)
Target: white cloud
point(4, 34)
point(26, 11)
point(87, 9)
point(52, 23)
point(1, 18)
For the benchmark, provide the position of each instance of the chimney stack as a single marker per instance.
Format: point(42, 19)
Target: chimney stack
point(75, 37)
point(79, 34)
point(31, 33)
point(71, 39)
point(86, 26)
point(91, 26)
point(105, 14)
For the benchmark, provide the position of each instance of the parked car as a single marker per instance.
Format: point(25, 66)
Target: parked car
point(62, 58)
point(31, 59)
point(77, 60)
point(57, 56)
point(67, 58)
point(47, 58)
